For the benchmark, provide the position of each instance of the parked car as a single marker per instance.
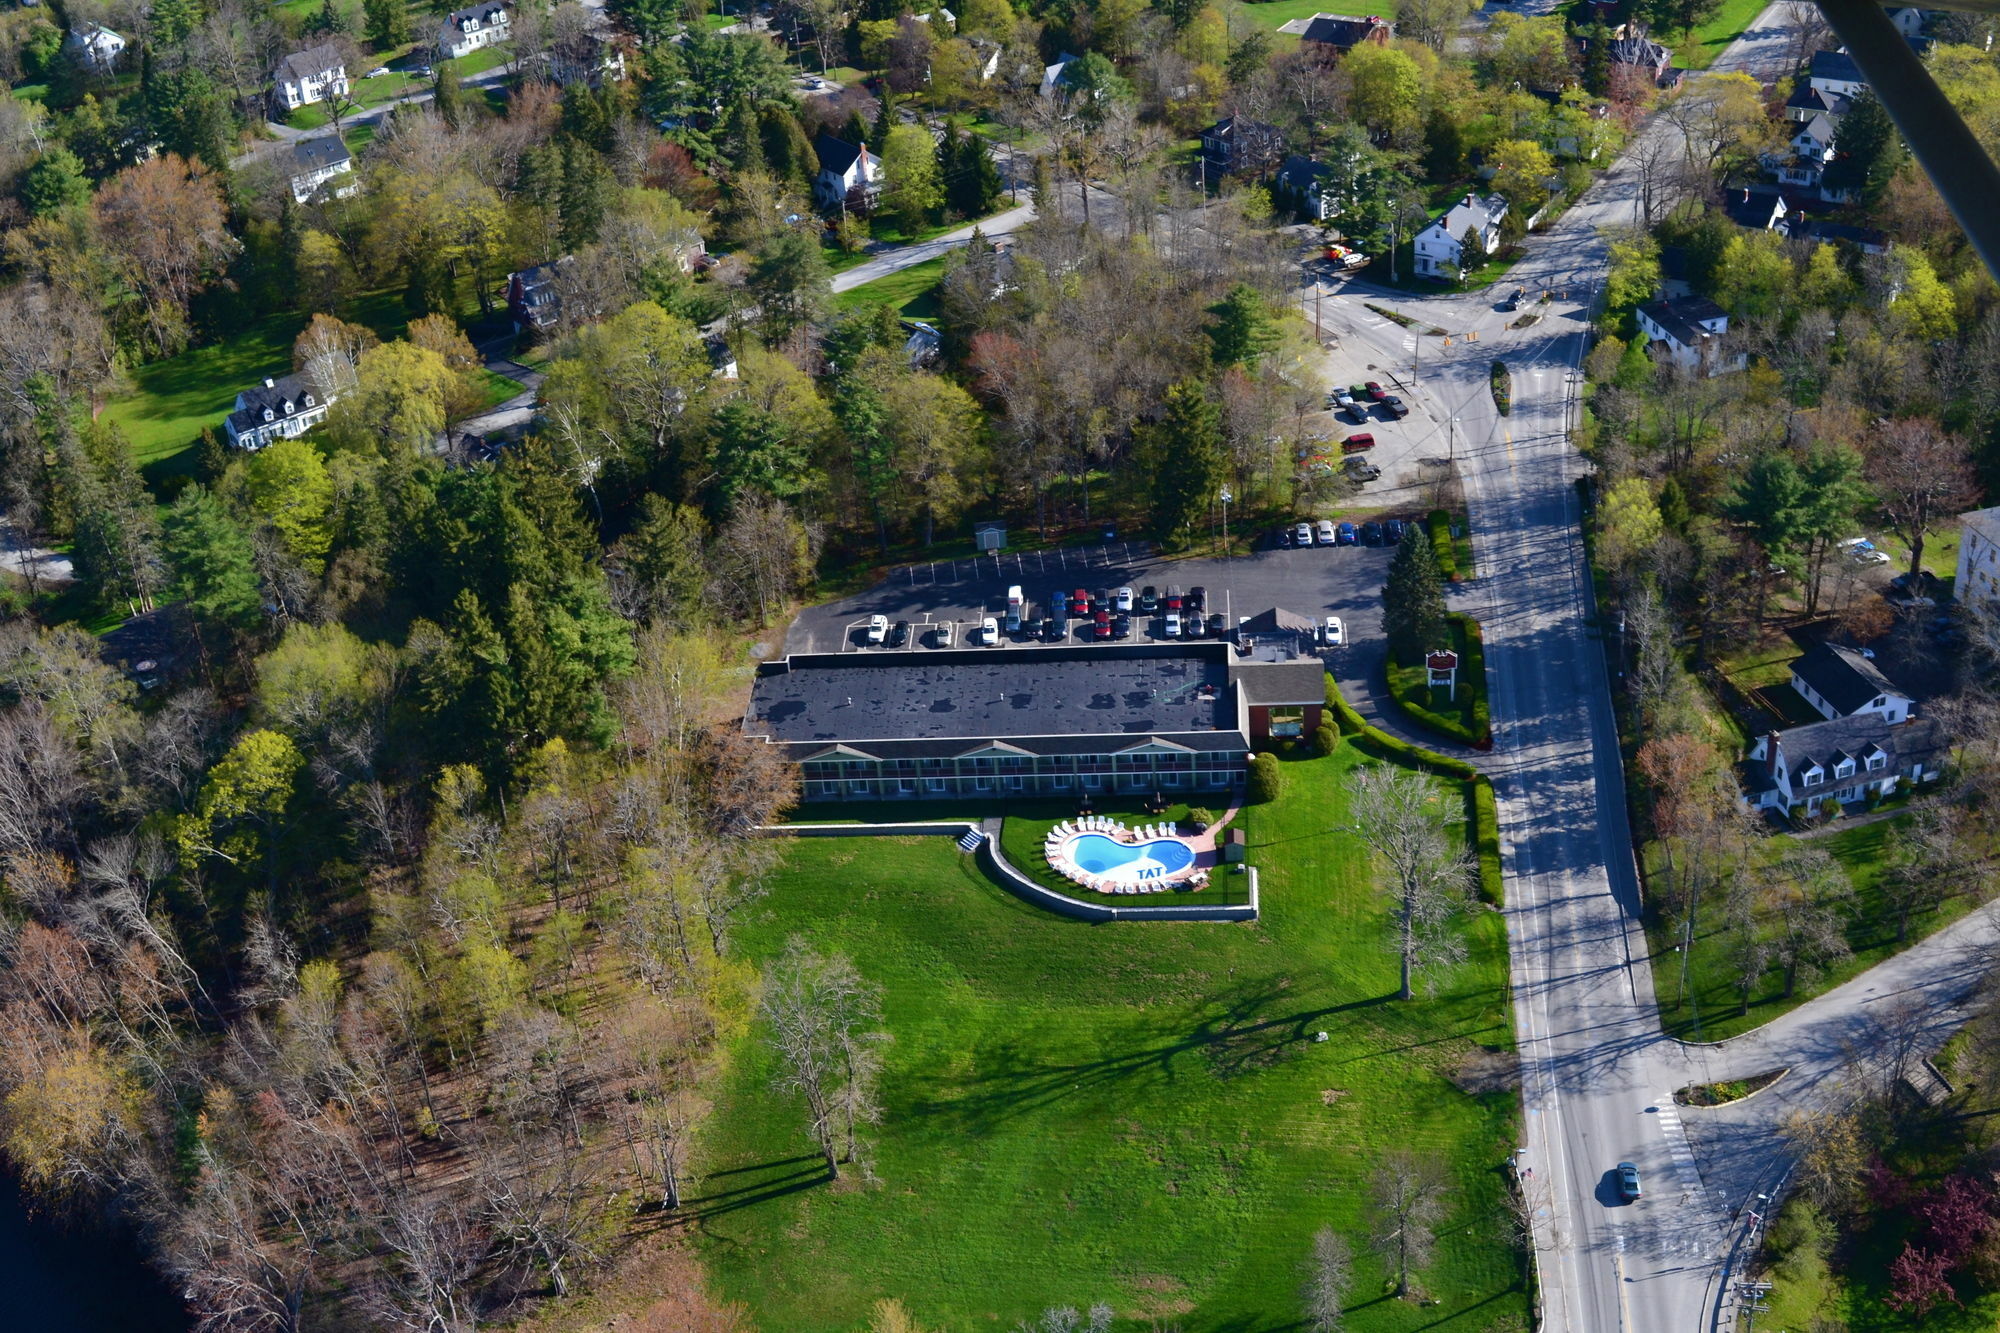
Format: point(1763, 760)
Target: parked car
point(1191, 625)
point(878, 628)
point(377, 72)
point(1326, 532)
point(1344, 535)
point(989, 631)
point(1371, 533)
point(1102, 626)
point(899, 634)
point(1197, 598)
point(1392, 531)
point(1013, 620)
point(1149, 598)
point(1172, 626)
point(1121, 627)
point(1513, 302)
point(1058, 626)
point(1122, 599)
point(1628, 1182)
point(1376, 392)
point(946, 633)
point(1079, 603)
point(1218, 625)
point(1302, 535)
point(1358, 392)
point(1357, 442)
point(1395, 407)
point(1333, 633)
point(1863, 552)
point(1282, 536)
point(1355, 413)
point(1100, 600)
point(1360, 469)
point(1047, 631)
point(1341, 397)
point(1175, 602)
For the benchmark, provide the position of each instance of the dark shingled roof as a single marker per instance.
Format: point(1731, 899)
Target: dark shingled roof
point(317, 154)
point(1809, 98)
point(1906, 743)
point(310, 63)
point(993, 693)
point(291, 389)
point(485, 13)
point(836, 155)
point(1835, 65)
point(1340, 30)
point(1843, 677)
point(1299, 172)
point(1682, 317)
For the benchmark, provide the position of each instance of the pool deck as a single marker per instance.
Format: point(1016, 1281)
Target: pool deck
point(1202, 844)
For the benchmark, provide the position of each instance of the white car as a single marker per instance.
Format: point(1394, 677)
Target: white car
point(1302, 535)
point(1173, 624)
point(947, 630)
point(1121, 600)
point(377, 72)
point(1326, 534)
point(1335, 634)
point(1342, 398)
point(989, 631)
point(878, 628)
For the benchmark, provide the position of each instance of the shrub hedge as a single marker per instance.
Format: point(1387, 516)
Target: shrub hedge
point(1503, 388)
point(1483, 813)
point(1439, 524)
point(1266, 779)
point(1325, 740)
point(1409, 687)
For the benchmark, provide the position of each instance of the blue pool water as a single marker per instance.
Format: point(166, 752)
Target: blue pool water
point(1096, 854)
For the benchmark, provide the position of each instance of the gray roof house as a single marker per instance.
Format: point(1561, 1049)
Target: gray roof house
point(1839, 682)
point(1846, 759)
point(316, 74)
point(1809, 101)
point(277, 409)
point(1341, 33)
point(464, 31)
point(844, 168)
point(321, 166)
point(1759, 210)
point(1237, 143)
point(1439, 247)
point(1689, 329)
point(1835, 72)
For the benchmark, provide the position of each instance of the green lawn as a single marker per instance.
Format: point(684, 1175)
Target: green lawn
point(913, 291)
point(1460, 714)
point(1699, 49)
point(1135, 1114)
point(173, 399)
point(1716, 1011)
point(1276, 13)
point(498, 388)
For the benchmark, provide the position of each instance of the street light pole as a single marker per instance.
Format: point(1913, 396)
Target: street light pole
point(1226, 498)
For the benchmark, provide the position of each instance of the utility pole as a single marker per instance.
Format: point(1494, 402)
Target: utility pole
point(1451, 442)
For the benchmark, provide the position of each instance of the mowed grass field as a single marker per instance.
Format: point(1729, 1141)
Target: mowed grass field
point(1136, 1114)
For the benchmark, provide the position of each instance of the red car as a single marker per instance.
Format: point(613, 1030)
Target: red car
point(1103, 625)
point(1375, 391)
point(1354, 444)
point(1079, 603)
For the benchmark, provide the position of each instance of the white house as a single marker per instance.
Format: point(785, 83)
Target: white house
point(1979, 560)
point(1302, 181)
point(322, 166)
point(1839, 682)
point(1847, 759)
point(316, 74)
point(1690, 329)
point(466, 30)
point(1834, 72)
point(1812, 148)
point(280, 409)
point(985, 54)
point(1439, 246)
point(95, 46)
point(1908, 20)
point(1808, 101)
point(844, 168)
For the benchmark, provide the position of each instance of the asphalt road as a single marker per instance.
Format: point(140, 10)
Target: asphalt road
point(1598, 1074)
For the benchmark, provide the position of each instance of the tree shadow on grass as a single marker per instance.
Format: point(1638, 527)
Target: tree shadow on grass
point(1229, 1032)
point(791, 1181)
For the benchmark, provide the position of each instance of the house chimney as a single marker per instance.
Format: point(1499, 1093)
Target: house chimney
point(270, 384)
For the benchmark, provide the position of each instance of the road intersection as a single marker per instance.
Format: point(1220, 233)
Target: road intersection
point(1598, 1073)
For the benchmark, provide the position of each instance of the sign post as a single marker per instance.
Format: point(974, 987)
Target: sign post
point(1443, 664)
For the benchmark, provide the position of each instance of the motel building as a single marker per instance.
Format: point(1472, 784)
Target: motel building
point(1029, 721)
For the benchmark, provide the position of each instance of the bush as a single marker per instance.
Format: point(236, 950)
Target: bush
point(1439, 523)
point(1486, 842)
point(1200, 816)
point(1325, 740)
point(1503, 388)
point(1344, 717)
point(1470, 725)
point(1267, 780)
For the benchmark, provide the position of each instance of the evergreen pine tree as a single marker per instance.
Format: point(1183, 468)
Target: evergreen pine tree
point(740, 142)
point(1189, 463)
point(1869, 150)
point(1597, 59)
point(447, 98)
point(856, 129)
point(1413, 614)
point(885, 120)
point(1472, 254)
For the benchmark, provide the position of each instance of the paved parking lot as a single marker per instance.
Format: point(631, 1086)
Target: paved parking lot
point(1344, 581)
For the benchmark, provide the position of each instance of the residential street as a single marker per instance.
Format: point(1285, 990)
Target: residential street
point(1598, 1072)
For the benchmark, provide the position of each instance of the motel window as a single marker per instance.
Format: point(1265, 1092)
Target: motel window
point(1013, 782)
point(936, 784)
point(1170, 779)
point(1093, 782)
point(906, 786)
point(1060, 783)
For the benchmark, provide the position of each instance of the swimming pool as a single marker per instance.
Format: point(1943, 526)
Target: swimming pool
point(1107, 858)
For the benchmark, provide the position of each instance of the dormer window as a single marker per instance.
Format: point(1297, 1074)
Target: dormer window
point(1879, 701)
point(269, 415)
point(1877, 760)
point(288, 407)
point(1812, 777)
point(309, 400)
point(1844, 769)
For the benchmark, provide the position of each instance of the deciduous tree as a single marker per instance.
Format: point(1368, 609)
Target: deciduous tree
point(1404, 820)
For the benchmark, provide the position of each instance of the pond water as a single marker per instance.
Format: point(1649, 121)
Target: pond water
point(58, 1279)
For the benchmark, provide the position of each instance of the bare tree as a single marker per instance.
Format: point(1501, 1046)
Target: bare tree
point(1806, 895)
point(818, 1008)
point(1329, 1270)
point(1406, 820)
point(1068, 1319)
point(1923, 476)
point(1830, 1149)
point(1929, 862)
point(1408, 1194)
